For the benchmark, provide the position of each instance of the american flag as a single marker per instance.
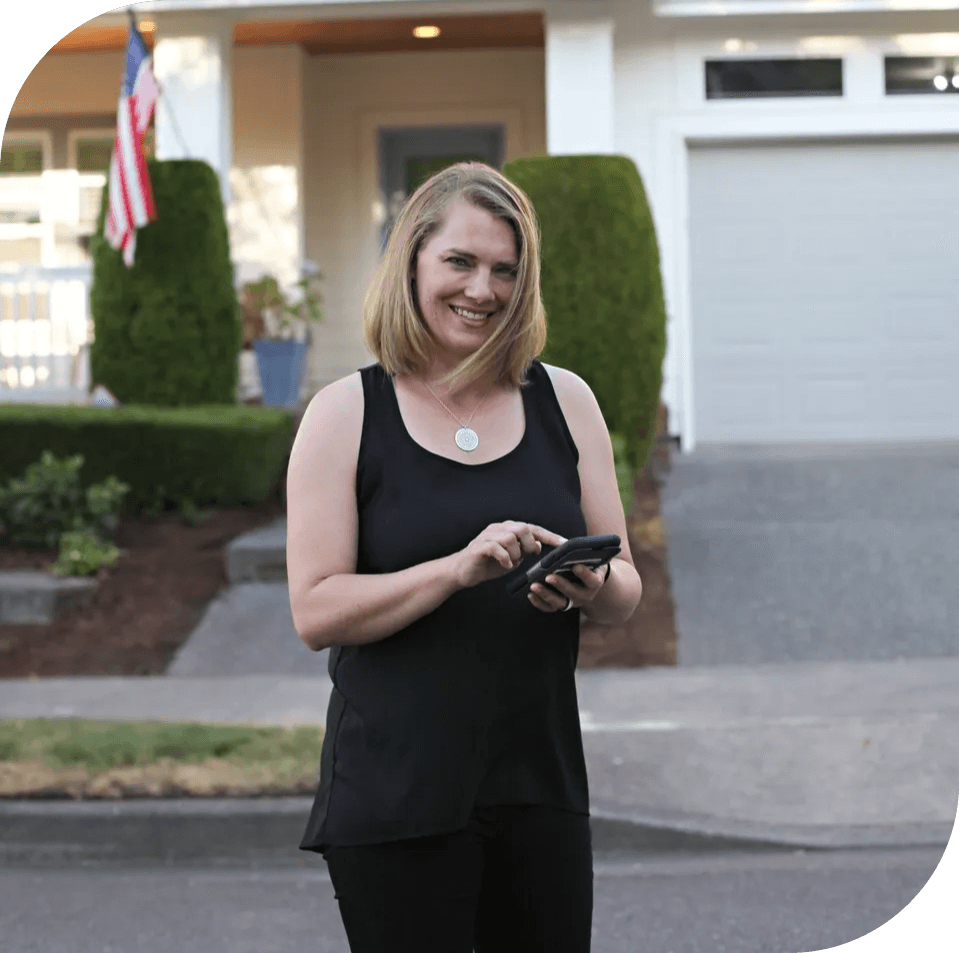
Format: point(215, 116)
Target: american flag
point(130, 202)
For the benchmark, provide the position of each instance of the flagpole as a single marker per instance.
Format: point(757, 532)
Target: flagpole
point(161, 95)
point(250, 181)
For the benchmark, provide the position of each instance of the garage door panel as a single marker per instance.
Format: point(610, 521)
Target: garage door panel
point(918, 326)
point(833, 322)
point(832, 400)
point(906, 400)
point(825, 290)
point(749, 329)
point(749, 404)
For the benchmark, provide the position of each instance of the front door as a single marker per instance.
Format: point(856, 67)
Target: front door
point(408, 157)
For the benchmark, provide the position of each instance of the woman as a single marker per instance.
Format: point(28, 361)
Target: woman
point(452, 808)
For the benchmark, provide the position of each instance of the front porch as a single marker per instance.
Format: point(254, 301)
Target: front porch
point(298, 117)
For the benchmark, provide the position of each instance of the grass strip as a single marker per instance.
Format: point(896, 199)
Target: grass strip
point(72, 757)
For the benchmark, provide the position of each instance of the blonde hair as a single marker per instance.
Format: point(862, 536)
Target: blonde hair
point(393, 330)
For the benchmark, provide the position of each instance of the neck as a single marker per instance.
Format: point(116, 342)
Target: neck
point(468, 393)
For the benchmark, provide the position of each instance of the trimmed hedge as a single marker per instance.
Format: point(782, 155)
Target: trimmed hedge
point(168, 330)
point(209, 455)
point(601, 285)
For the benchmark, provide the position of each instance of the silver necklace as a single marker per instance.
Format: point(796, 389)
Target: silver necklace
point(466, 438)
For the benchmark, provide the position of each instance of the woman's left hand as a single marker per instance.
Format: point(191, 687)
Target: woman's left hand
point(590, 581)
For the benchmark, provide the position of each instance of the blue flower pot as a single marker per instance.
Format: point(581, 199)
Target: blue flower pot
point(281, 367)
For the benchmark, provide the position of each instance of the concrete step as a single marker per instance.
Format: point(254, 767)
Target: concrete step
point(258, 556)
point(33, 597)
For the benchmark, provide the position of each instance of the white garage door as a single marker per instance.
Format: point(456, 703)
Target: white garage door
point(825, 290)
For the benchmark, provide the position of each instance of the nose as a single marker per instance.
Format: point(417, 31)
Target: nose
point(479, 288)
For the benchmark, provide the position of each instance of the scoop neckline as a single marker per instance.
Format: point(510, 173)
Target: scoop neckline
point(459, 463)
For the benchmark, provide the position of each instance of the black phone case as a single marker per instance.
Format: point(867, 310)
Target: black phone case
point(593, 550)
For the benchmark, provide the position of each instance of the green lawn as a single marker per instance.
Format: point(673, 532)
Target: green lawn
point(97, 745)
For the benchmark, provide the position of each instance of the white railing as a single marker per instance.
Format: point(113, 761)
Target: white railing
point(45, 323)
point(45, 333)
point(43, 218)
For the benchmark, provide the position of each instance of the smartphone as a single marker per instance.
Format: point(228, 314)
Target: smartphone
point(592, 551)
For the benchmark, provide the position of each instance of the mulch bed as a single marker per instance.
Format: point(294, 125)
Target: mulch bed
point(148, 603)
point(649, 637)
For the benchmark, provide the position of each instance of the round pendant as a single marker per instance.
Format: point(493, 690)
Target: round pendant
point(466, 439)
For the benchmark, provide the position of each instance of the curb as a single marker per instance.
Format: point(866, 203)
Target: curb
point(265, 832)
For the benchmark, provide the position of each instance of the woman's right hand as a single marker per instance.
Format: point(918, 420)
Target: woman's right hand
point(499, 549)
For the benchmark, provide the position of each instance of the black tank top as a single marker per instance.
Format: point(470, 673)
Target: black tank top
point(474, 703)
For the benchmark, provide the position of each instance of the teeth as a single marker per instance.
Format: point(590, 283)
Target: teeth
point(476, 315)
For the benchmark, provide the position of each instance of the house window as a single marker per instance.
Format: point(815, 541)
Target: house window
point(93, 154)
point(21, 157)
point(92, 150)
point(922, 74)
point(755, 79)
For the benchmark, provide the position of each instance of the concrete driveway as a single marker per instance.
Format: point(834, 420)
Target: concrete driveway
point(794, 553)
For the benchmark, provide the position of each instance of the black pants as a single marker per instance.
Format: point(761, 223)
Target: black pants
point(517, 879)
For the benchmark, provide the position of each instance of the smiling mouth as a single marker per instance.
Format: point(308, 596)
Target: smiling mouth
point(472, 315)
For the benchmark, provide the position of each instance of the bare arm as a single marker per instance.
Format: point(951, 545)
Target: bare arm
point(330, 603)
point(616, 600)
point(347, 609)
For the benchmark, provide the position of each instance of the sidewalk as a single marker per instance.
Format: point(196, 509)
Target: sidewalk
point(812, 755)
point(786, 752)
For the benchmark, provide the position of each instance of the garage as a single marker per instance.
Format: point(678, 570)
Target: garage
point(824, 291)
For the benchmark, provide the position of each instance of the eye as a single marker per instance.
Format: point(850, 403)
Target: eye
point(509, 272)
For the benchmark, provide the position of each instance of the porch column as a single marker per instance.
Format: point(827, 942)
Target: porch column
point(193, 62)
point(579, 78)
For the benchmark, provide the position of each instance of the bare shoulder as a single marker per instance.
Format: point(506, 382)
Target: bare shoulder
point(576, 400)
point(342, 398)
point(333, 420)
point(567, 382)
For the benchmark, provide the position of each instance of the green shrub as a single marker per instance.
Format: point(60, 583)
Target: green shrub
point(83, 553)
point(168, 330)
point(625, 474)
point(48, 501)
point(601, 285)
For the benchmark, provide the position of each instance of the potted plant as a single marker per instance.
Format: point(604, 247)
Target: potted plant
point(278, 326)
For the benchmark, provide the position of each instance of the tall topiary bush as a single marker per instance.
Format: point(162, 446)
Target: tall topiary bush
point(601, 284)
point(167, 331)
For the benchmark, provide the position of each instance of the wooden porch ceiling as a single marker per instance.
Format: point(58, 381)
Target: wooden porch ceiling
point(511, 30)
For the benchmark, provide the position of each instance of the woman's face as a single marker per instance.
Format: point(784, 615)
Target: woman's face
point(465, 277)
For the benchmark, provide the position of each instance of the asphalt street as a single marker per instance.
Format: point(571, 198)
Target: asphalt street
point(725, 903)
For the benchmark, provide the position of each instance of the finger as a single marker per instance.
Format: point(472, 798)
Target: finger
point(591, 578)
point(530, 543)
point(545, 536)
point(538, 603)
point(577, 590)
point(544, 600)
point(583, 577)
point(500, 554)
point(562, 585)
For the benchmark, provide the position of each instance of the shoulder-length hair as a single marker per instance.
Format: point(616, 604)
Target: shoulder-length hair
point(393, 329)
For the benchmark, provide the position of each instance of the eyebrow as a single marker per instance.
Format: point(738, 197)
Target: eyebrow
point(466, 254)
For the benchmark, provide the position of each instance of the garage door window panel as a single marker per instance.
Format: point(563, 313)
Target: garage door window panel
point(922, 75)
point(773, 78)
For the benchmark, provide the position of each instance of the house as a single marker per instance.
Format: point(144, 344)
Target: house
point(800, 158)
